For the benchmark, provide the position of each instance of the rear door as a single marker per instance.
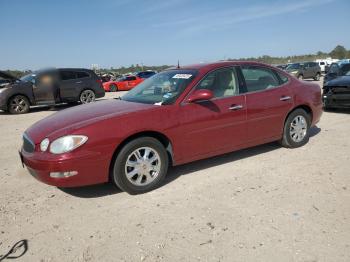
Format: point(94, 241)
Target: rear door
point(218, 125)
point(69, 84)
point(268, 99)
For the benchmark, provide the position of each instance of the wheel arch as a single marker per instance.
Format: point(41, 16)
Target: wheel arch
point(305, 107)
point(166, 142)
point(19, 94)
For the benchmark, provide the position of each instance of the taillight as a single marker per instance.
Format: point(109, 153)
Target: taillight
point(99, 81)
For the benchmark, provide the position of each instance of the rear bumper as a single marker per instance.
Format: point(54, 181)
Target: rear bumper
point(336, 100)
point(91, 168)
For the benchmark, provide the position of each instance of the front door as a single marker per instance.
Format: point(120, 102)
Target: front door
point(269, 100)
point(208, 128)
point(44, 88)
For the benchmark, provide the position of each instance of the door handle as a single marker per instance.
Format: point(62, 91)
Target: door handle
point(235, 107)
point(79, 82)
point(285, 98)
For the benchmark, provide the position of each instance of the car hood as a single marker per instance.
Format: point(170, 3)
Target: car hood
point(68, 120)
point(8, 76)
point(339, 81)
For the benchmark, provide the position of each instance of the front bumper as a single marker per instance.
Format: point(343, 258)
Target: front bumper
point(336, 100)
point(91, 167)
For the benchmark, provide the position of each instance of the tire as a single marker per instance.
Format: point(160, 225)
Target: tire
point(113, 88)
point(300, 77)
point(140, 170)
point(87, 96)
point(317, 77)
point(18, 105)
point(296, 131)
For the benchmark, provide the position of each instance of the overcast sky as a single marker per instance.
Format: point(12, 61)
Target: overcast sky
point(68, 33)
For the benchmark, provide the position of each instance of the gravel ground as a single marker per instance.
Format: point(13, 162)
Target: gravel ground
point(266, 203)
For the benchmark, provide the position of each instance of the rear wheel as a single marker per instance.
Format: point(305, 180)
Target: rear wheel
point(296, 129)
point(317, 77)
point(113, 88)
point(140, 166)
point(87, 96)
point(18, 105)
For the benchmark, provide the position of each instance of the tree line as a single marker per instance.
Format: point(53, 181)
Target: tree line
point(339, 52)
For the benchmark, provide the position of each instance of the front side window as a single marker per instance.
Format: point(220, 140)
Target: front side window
point(222, 82)
point(293, 66)
point(258, 78)
point(130, 78)
point(161, 89)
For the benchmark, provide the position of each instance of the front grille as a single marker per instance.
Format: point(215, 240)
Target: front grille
point(28, 145)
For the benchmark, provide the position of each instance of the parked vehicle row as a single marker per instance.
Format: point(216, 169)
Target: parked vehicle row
point(177, 116)
point(48, 87)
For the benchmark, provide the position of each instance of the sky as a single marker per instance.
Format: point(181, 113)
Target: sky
point(113, 33)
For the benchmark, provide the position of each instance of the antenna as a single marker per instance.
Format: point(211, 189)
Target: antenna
point(178, 64)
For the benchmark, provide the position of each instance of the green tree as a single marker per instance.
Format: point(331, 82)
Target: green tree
point(339, 52)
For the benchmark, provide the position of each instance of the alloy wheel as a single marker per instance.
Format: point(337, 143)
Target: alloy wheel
point(18, 105)
point(87, 96)
point(142, 166)
point(298, 129)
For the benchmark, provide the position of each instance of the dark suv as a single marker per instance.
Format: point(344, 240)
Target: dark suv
point(48, 87)
point(305, 70)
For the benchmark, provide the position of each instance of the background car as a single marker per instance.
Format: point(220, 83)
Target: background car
point(336, 92)
point(305, 70)
point(178, 116)
point(146, 74)
point(49, 87)
point(122, 84)
point(337, 70)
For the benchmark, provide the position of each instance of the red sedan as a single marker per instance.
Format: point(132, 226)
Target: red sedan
point(178, 116)
point(122, 84)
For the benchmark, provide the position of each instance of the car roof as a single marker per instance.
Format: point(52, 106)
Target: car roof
point(210, 66)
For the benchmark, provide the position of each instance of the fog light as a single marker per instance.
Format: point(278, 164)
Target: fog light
point(63, 174)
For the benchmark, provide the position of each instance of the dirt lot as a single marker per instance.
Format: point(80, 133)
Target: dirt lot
point(261, 204)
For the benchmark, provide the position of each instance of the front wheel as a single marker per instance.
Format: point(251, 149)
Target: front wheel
point(87, 96)
point(140, 166)
point(317, 77)
point(296, 130)
point(18, 105)
point(113, 88)
point(300, 77)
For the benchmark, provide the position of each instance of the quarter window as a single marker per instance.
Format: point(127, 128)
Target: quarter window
point(222, 82)
point(258, 78)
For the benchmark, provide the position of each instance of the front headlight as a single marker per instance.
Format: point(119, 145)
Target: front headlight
point(294, 72)
point(67, 143)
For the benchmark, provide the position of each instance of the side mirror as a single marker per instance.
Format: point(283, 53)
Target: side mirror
point(200, 95)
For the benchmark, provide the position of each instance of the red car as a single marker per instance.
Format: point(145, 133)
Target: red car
point(122, 84)
point(178, 116)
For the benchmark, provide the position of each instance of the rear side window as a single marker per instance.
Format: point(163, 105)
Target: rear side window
point(258, 78)
point(284, 79)
point(67, 75)
point(82, 74)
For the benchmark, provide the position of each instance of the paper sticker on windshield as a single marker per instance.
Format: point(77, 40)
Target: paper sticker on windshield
point(182, 76)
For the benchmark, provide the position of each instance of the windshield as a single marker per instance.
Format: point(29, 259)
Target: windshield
point(346, 70)
point(293, 66)
point(162, 88)
point(28, 78)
